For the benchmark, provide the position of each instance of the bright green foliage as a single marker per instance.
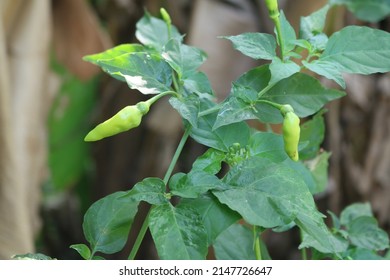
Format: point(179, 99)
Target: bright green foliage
point(245, 175)
point(369, 10)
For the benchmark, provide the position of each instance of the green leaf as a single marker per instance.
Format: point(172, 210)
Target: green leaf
point(194, 183)
point(153, 32)
point(187, 107)
point(107, 222)
point(83, 250)
point(147, 73)
point(235, 243)
point(114, 52)
point(254, 45)
point(182, 58)
point(319, 168)
point(267, 145)
point(365, 233)
point(216, 217)
point(151, 190)
point(312, 132)
point(210, 161)
point(288, 34)
point(264, 193)
point(328, 69)
point(221, 138)
point(199, 83)
point(281, 70)
point(303, 92)
point(304, 173)
point(355, 211)
point(354, 49)
point(372, 11)
point(178, 233)
point(313, 24)
point(362, 254)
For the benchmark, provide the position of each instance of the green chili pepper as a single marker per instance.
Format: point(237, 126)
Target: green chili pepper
point(291, 132)
point(126, 119)
point(273, 8)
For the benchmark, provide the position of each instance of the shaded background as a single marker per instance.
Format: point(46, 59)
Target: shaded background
point(50, 98)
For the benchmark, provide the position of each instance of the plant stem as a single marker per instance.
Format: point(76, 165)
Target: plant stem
point(158, 96)
point(145, 225)
point(210, 111)
point(276, 21)
point(303, 250)
point(176, 156)
point(140, 237)
point(257, 245)
point(273, 104)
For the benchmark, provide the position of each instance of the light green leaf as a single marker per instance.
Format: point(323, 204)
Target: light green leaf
point(216, 217)
point(147, 73)
point(254, 45)
point(281, 70)
point(178, 233)
point(365, 233)
point(313, 24)
point(328, 69)
point(357, 49)
point(235, 243)
point(319, 168)
point(83, 250)
point(288, 34)
point(107, 222)
point(184, 59)
point(199, 83)
point(31, 256)
point(368, 10)
point(153, 32)
point(355, 211)
point(312, 133)
point(114, 52)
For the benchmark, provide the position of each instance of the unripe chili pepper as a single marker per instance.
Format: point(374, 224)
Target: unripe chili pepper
point(291, 132)
point(272, 6)
point(126, 119)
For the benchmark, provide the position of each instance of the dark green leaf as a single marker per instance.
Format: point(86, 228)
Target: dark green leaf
point(354, 211)
point(335, 220)
point(254, 45)
point(221, 138)
point(153, 32)
point(216, 217)
point(362, 254)
point(187, 107)
point(193, 184)
point(178, 233)
point(114, 52)
point(267, 145)
point(107, 222)
point(264, 193)
point(83, 250)
point(182, 58)
point(147, 73)
point(235, 243)
point(365, 233)
point(151, 190)
point(372, 10)
point(209, 162)
point(312, 132)
point(304, 173)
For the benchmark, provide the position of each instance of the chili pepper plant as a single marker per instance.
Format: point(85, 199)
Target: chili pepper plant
point(270, 178)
